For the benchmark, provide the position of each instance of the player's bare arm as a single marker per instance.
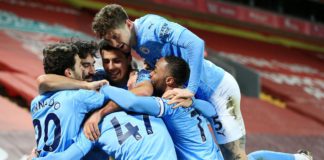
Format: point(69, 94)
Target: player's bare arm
point(51, 82)
point(234, 150)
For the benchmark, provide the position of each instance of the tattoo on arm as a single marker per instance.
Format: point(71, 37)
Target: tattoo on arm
point(234, 150)
point(242, 143)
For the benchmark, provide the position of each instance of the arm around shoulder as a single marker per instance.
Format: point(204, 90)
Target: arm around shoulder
point(205, 108)
point(52, 82)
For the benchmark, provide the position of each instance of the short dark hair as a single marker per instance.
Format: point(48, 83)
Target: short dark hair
point(178, 69)
point(104, 45)
point(85, 48)
point(109, 17)
point(58, 57)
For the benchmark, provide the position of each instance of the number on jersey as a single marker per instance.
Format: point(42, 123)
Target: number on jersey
point(131, 130)
point(57, 132)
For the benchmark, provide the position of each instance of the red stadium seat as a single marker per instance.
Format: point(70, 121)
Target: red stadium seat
point(15, 86)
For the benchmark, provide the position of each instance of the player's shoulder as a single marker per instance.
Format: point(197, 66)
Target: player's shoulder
point(174, 113)
point(84, 93)
point(87, 99)
point(150, 20)
point(75, 94)
point(80, 91)
point(151, 17)
point(41, 98)
point(46, 100)
point(164, 102)
point(34, 103)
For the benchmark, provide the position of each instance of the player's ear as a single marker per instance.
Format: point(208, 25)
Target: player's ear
point(169, 81)
point(68, 72)
point(129, 23)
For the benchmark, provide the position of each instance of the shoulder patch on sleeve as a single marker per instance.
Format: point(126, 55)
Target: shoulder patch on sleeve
point(165, 32)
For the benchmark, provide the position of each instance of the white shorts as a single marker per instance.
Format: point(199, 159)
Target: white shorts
point(226, 99)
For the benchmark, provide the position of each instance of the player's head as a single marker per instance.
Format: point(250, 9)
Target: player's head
point(116, 63)
point(63, 59)
point(170, 72)
point(87, 53)
point(112, 24)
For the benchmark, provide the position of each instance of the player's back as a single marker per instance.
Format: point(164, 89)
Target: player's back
point(57, 117)
point(136, 136)
point(190, 133)
point(162, 38)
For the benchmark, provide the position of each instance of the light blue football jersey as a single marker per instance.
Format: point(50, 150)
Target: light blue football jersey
point(143, 75)
point(135, 136)
point(99, 75)
point(124, 136)
point(188, 129)
point(190, 132)
point(157, 37)
point(57, 117)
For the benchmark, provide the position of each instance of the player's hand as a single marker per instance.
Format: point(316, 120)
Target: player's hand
point(95, 85)
point(33, 154)
point(132, 80)
point(90, 128)
point(182, 102)
point(176, 94)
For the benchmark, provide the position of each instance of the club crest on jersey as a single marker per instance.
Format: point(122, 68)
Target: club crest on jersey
point(145, 50)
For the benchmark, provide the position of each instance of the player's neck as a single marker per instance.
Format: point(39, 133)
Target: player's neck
point(121, 83)
point(168, 88)
point(133, 37)
point(172, 87)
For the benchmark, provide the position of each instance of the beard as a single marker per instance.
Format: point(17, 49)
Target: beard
point(88, 78)
point(158, 89)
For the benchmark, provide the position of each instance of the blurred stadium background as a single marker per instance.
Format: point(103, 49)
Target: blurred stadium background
point(274, 48)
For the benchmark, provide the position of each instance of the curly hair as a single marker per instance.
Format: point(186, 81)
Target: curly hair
point(58, 57)
point(110, 17)
point(85, 48)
